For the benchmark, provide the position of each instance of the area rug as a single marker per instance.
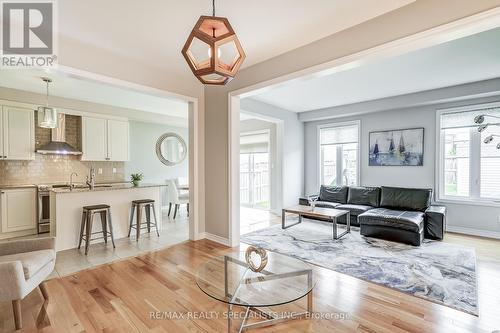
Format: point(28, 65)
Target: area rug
point(436, 271)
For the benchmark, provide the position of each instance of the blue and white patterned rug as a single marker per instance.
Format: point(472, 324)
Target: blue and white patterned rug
point(436, 271)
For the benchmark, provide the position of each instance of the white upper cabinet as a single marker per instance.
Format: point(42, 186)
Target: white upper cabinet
point(118, 140)
point(17, 133)
point(94, 142)
point(104, 139)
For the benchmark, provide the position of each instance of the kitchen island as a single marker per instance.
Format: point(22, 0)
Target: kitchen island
point(66, 209)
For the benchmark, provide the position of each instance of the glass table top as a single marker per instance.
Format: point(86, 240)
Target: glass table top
point(229, 279)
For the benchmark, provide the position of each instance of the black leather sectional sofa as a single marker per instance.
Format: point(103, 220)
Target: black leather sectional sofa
point(394, 213)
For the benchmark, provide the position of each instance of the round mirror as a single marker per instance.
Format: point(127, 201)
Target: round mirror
point(171, 149)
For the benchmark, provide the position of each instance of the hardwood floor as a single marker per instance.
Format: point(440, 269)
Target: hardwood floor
point(120, 296)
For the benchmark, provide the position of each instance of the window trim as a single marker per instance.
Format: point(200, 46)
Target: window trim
point(440, 197)
point(318, 147)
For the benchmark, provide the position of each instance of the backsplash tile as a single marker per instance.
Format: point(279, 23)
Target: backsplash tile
point(48, 169)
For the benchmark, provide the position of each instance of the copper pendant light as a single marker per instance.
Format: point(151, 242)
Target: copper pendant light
point(212, 50)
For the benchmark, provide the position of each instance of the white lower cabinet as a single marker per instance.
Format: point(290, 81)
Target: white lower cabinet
point(17, 211)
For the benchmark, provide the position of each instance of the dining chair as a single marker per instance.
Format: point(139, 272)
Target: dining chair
point(175, 197)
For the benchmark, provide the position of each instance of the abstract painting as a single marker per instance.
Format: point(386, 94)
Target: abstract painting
point(397, 147)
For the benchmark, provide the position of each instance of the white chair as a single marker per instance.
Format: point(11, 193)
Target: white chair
point(175, 198)
point(183, 193)
point(24, 265)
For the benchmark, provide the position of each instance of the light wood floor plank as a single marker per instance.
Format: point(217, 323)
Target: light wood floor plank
point(120, 297)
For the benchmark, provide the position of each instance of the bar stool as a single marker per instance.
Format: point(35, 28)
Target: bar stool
point(148, 205)
point(88, 220)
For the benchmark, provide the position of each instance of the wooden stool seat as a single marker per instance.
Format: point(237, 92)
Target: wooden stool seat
point(86, 233)
point(138, 205)
point(143, 201)
point(96, 207)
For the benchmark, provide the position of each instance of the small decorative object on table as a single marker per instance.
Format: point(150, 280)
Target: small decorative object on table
point(262, 255)
point(136, 178)
point(312, 203)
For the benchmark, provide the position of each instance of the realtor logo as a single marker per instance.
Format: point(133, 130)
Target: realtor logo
point(27, 34)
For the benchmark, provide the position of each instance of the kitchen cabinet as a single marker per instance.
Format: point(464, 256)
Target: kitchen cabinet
point(105, 139)
point(17, 210)
point(17, 133)
point(118, 140)
point(94, 145)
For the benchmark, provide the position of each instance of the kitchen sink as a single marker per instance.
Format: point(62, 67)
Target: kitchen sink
point(79, 186)
point(61, 186)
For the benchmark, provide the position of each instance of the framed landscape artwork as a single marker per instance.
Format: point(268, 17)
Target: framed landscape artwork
point(403, 147)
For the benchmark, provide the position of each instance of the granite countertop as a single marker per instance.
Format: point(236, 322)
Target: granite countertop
point(7, 187)
point(104, 187)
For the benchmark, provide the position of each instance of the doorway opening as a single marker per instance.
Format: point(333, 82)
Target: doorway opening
point(259, 194)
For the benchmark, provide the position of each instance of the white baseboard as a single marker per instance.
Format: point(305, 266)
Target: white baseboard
point(473, 232)
point(215, 238)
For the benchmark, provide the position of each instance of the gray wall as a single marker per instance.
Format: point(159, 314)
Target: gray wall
point(143, 159)
point(461, 217)
point(392, 176)
point(292, 147)
point(400, 23)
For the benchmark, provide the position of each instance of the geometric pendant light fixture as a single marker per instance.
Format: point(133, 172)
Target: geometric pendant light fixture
point(213, 51)
point(47, 116)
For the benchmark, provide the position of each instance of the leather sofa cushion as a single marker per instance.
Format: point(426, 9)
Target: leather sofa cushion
point(355, 209)
point(406, 220)
point(333, 193)
point(32, 262)
point(405, 198)
point(327, 204)
point(368, 196)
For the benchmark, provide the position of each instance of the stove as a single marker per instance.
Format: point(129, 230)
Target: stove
point(43, 224)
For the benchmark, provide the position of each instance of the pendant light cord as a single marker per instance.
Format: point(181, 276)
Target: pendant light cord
point(213, 8)
point(47, 99)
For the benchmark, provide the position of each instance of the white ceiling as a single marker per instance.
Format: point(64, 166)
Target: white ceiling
point(153, 32)
point(469, 59)
point(75, 88)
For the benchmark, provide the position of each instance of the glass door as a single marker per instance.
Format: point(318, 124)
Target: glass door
point(255, 170)
point(254, 180)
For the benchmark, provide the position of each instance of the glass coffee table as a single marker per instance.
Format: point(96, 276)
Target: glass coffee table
point(283, 280)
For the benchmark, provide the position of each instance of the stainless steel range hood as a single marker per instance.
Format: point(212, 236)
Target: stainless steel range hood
point(58, 145)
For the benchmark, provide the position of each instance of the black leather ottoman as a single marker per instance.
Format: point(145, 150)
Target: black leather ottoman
point(401, 226)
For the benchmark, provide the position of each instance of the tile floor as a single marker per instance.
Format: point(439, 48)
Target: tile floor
point(74, 260)
point(173, 232)
point(252, 219)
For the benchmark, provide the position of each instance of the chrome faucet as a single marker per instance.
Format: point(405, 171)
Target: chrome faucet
point(91, 178)
point(71, 185)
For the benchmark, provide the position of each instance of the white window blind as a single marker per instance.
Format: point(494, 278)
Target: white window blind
point(339, 135)
point(466, 118)
point(254, 143)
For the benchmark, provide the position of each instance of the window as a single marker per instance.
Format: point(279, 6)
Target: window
point(339, 154)
point(469, 167)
